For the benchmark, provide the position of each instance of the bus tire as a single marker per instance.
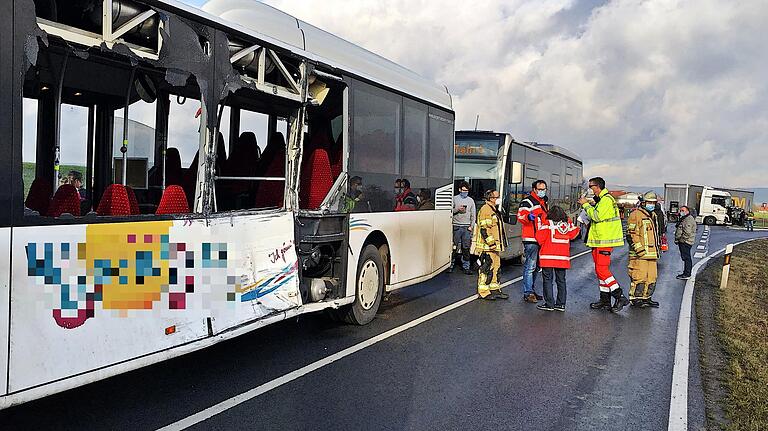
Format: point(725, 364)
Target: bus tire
point(369, 287)
point(710, 221)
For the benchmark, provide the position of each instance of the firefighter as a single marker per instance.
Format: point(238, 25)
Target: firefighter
point(605, 233)
point(644, 246)
point(489, 241)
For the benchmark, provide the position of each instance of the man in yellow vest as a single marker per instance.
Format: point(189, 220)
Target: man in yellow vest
point(644, 245)
point(605, 233)
point(489, 241)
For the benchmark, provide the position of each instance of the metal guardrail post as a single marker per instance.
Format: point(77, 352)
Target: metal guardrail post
point(726, 266)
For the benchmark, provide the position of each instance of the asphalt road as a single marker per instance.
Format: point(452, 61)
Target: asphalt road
point(484, 365)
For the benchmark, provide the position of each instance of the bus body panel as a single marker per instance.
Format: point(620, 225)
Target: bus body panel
point(412, 256)
point(96, 295)
point(5, 287)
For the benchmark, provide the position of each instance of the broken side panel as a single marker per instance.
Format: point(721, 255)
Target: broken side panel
point(267, 279)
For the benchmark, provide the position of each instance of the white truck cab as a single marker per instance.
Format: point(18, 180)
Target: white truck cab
point(713, 208)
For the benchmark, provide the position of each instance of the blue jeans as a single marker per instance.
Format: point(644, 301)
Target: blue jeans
point(531, 253)
point(750, 225)
point(462, 241)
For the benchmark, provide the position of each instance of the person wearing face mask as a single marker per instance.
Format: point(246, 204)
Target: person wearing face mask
point(489, 241)
point(644, 249)
point(533, 209)
point(405, 199)
point(685, 237)
point(605, 233)
point(425, 200)
point(464, 216)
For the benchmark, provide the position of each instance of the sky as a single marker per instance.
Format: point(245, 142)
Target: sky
point(647, 92)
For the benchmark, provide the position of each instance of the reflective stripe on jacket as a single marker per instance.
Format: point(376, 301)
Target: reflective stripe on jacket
point(489, 231)
point(532, 204)
point(555, 242)
point(642, 236)
point(605, 228)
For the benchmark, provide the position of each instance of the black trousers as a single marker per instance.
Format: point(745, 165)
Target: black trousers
point(685, 254)
point(559, 278)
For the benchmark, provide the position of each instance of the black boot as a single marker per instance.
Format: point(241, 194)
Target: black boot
point(634, 301)
point(603, 304)
point(621, 300)
point(499, 294)
point(651, 303)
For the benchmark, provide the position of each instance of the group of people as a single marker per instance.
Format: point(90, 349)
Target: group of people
point(547, 232)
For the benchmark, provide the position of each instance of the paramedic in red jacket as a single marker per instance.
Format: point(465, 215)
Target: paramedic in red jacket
point(554, 235)
point(532, 208)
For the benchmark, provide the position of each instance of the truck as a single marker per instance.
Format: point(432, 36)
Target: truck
point(710, 205)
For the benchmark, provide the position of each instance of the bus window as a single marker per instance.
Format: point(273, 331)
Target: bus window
point(415, 142)
point(440, 149)
point(376, 128)
point(251, 156)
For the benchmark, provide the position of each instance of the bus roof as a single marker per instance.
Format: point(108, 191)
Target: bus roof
point(556, 149)
point(280, 29)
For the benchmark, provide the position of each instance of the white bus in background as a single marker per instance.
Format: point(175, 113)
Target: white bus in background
point(489, 160)
point(269, 192)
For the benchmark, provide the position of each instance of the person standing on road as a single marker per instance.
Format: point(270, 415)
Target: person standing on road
point(605, 233)
point(532, 208)
point(554, 235)
point(685, 237)
point(464, 216)
point(644, 246)
point(489, 241)
point(750, 221)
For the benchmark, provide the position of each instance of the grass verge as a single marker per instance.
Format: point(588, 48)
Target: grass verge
point(733, 335)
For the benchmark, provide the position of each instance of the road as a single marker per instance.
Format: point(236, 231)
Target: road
point(483, 365)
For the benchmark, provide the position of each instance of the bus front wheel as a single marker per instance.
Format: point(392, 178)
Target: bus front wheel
point(369, 287)
point(710, 221)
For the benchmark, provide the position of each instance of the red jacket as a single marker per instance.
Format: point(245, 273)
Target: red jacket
point(555, 242)
point(532, 204)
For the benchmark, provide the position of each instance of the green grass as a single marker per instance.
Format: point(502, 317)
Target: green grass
point(742, 319)
point(28, 173)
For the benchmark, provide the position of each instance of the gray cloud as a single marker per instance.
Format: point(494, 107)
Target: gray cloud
point(645, 91)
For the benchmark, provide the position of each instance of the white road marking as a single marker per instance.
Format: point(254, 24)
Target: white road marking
point(699, 255)
point(678, 402)
point(293, 375)
point(701, 247)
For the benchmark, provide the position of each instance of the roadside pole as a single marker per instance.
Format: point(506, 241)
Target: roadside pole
point(726, 266)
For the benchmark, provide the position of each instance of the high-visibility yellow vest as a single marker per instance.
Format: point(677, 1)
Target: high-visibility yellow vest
point(605, 227)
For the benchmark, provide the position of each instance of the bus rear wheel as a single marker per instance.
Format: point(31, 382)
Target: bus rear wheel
point(369, 287)
point(710, 221)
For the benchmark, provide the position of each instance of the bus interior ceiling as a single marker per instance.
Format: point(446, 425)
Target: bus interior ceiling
point(192, 62)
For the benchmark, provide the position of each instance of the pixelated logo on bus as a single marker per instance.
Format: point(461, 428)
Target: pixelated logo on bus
point(137, 267)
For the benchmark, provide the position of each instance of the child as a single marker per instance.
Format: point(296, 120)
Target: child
point(554, 236)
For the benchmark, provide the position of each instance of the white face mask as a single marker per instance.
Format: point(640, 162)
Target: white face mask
point(498, 202)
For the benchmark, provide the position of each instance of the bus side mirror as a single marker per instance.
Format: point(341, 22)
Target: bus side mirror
point(515, 173)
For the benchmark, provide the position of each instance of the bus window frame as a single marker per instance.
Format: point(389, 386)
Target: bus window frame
point(10, 121)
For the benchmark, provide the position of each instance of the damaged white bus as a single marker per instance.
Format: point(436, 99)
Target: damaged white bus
point(177, 177)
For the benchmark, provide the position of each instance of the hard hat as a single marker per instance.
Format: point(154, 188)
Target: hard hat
point(650, 197)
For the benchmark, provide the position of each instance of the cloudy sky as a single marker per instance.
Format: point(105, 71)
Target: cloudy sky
point(646, 92)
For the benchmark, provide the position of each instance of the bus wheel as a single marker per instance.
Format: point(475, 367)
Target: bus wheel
point(710, 221)
point(369, 287)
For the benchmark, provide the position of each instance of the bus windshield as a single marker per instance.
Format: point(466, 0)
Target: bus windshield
point(476, 163)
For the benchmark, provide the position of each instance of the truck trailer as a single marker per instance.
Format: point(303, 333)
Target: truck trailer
point(709, 205)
